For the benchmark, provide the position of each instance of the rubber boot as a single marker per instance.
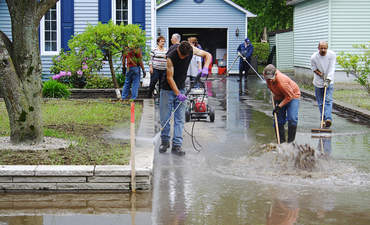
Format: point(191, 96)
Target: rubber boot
point(282, 133)
point(291, 133)
point(163, 147)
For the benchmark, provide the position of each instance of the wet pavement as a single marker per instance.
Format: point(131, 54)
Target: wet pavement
point(227, 182)
point(224, 184)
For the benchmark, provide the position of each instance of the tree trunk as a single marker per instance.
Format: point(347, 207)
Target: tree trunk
point(20, 70)
point(114, 79)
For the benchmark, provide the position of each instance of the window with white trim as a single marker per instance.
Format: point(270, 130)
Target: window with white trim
point(50, 38)
point(122, 11)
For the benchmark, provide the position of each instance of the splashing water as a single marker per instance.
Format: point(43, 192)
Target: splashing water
point(278, 163)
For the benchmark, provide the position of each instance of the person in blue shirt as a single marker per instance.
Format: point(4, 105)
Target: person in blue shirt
point(245, 49)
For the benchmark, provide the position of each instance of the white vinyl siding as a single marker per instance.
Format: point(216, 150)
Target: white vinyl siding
point(5, 22)
point(85, 12)
point(284, 51)
point(50, 33)
point(350, 24)
point(311, 24)
point(208, 14)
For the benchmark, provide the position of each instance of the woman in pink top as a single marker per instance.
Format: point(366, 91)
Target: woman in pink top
point(286, 95)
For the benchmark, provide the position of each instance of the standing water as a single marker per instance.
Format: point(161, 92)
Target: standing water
point(236, 178)
point(233, 180)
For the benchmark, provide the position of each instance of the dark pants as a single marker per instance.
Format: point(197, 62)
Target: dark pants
point(244, 68)
point(158, 75)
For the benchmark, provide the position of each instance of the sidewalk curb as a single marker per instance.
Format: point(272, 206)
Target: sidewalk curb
point(87, 178)
point(352, 110)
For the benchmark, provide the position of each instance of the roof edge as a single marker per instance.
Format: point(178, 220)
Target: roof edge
point(294, 2)
point(249, 14)
point(163, 4)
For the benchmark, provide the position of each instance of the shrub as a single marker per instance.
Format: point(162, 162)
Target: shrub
point(69, 69)
point(120, 79)
point(357, 64)
point(261, 51)
point(96, 81)
point(55, 89)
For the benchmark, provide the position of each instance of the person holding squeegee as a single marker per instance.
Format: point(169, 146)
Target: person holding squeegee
point(173, 93)
point(323, 66)
point(286, 96)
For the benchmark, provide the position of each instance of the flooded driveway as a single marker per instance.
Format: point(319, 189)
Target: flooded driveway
point(230, 180)
point(227, 183)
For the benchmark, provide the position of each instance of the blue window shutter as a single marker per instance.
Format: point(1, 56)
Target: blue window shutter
point(105, 10)
point(138, 13)
point(67, 24)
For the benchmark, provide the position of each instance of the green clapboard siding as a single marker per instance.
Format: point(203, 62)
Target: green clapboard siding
point(350, 24)
point(311, 24)
point(284, 51)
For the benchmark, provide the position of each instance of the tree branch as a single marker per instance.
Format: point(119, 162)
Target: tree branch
point(43, 6)
point(7, 43)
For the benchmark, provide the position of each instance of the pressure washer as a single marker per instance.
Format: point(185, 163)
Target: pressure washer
point(157, 136)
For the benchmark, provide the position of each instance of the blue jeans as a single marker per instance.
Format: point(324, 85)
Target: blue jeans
point(158, 75)
point(289, 112)
point(132, 77)
point(168, 103)
point(319, 93)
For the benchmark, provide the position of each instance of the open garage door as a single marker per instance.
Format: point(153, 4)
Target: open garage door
point(213, 40)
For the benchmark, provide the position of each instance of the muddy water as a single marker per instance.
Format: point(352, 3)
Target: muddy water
point(230, 181)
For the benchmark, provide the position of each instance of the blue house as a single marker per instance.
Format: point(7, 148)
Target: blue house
point(70, 17)
point(219, 25)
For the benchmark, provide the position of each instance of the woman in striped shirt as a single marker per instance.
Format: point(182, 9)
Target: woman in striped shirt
point(157, 64)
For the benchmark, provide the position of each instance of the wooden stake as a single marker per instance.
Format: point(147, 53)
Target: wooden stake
point(132, 142)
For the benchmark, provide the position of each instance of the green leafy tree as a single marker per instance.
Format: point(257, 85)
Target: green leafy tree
point(357, 64)
point(107, 42)
point(272, 14)
point(20, 70)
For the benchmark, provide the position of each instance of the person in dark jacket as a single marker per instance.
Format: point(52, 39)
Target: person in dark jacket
point(246, 50)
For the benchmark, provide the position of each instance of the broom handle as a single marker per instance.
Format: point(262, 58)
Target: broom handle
point(323, 107)
point(276, 122)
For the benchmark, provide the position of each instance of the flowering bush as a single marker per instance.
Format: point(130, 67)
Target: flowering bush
point(70, 69)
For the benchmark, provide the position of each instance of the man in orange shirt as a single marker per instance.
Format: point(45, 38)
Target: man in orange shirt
point(286, 95)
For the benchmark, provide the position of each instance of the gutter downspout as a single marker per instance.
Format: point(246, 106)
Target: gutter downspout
point(153, 11)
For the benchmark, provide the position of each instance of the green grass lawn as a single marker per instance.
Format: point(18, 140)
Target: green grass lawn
point(82, 121)
point(351, 93)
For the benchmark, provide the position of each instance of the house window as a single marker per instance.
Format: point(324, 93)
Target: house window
point(50, 31)
point(122, 11)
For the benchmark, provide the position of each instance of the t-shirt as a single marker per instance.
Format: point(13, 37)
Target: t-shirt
point(158, 59)
point(194, 66)
point(326, 65)
point(284, 88)
point(180, 67)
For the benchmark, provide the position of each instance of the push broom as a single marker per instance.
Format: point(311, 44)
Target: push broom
point(322, 129)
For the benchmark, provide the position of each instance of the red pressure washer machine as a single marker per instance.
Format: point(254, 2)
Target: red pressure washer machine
point(197, 107)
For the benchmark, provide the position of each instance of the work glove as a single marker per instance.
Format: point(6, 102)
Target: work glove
point(326, 82)
point(204, 72)
point(181, 97)
point(276, 110)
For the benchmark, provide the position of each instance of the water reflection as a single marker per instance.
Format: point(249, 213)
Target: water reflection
point(75, 208)
point(282, 213)
point(324, 145)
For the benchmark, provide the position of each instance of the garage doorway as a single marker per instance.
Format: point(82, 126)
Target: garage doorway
point(212, 40)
